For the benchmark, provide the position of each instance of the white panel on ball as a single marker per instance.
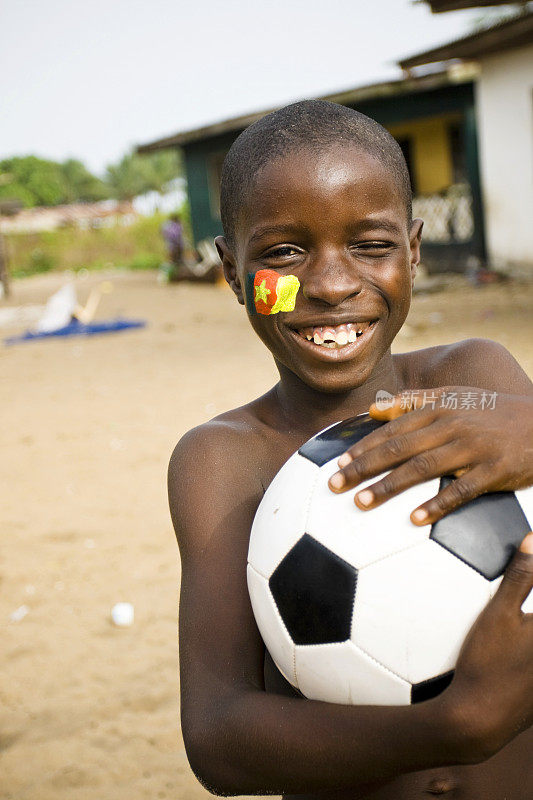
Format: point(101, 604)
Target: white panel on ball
point(362, 537)
point(527, 605)
point(341, 673)
point(275, 636)
point(282, 513)
point(413, 610)
point(525, 498)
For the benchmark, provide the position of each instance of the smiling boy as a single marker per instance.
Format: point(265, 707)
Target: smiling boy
point(321, 193)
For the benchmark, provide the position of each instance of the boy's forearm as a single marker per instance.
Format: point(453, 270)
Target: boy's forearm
point(259, 743)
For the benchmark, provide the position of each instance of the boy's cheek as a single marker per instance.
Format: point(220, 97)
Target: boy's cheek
point(267, 292)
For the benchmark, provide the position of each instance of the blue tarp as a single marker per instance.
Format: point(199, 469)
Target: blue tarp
point(77, 328)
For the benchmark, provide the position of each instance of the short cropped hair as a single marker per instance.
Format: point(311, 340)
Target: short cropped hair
point(308, 125)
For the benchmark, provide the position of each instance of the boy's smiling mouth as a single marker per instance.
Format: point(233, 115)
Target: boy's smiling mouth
point(334, 336)
point(334, 342)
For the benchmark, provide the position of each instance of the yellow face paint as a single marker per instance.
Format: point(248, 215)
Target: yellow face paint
point(274, 292)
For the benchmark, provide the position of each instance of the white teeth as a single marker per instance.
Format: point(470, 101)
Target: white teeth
point(342, 337)
point(332, 337)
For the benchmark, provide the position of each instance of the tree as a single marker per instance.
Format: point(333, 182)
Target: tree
point(135, 174)
point(80, 184)
point(40, 182)
point(35, 181)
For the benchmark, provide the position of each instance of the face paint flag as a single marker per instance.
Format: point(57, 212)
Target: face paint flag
point(274, 292)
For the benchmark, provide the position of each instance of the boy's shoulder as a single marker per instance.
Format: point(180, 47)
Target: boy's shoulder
point(224, 435)
point(470, 362)
point(216, 479)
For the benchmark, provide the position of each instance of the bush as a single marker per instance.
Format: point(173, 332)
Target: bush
point(137, 246)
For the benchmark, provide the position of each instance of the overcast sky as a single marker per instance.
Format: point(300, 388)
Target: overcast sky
point(91, 79)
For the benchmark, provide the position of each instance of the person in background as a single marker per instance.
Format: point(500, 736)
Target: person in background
point(172, 232)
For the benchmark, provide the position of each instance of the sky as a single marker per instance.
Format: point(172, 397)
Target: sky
point(91, 80)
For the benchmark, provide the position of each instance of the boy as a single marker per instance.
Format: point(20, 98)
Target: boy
point(320, 192)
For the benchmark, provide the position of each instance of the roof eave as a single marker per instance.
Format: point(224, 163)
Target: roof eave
point(350, 96)
point(441, 6)
point(516, 32)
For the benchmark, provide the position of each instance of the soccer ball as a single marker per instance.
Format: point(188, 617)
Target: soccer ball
point(363, 607)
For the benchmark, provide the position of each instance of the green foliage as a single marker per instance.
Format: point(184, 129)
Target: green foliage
point(40, 261)
point(137, 246)
point(33, 180)
point(40, 182)
point(136, 174)
point(80, 184)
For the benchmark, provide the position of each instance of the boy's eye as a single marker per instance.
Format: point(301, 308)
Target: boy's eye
point(373, 247)
point(282, 251)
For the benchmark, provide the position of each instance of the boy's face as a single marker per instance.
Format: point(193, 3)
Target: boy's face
point(337, 220)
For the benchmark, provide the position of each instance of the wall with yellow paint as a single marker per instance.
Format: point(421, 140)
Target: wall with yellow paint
point(432, 163)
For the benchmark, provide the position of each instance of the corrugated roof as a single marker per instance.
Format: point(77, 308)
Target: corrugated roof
point(347, 97)
point(511, 33)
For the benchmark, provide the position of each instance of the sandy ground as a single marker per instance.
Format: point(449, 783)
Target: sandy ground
point(89, 710)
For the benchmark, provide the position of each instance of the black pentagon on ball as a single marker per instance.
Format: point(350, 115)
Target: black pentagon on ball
point(425, 690)
point(314, 591)
point(334, 441)
point(484, 533)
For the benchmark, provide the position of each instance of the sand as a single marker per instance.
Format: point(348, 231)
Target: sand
point(89, 710)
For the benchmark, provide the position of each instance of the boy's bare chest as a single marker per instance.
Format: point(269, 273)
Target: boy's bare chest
point(506, 776)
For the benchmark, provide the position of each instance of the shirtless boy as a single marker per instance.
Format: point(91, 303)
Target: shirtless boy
point(321, 192)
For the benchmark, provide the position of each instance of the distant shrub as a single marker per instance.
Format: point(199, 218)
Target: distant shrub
point(145, 261)
point(40, 261)
point(136, 246)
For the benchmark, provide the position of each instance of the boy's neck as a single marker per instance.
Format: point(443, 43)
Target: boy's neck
point(310, 410)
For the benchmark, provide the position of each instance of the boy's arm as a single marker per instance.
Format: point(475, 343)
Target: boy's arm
point(241, 740)
point(477, 424)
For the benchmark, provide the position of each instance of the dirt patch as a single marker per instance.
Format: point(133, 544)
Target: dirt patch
point(87, 710)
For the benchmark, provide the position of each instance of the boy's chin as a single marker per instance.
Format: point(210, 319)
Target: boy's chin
point(330, 382)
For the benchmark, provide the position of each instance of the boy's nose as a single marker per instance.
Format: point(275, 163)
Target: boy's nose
point(331, 278)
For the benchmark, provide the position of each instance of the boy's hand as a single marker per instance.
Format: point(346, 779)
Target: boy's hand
point(491, 695)
point(483, 438)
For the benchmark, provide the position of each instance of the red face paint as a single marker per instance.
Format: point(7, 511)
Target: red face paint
point(274, 292)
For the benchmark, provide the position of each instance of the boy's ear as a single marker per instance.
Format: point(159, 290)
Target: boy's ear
point(415, 238)
point(229, 267)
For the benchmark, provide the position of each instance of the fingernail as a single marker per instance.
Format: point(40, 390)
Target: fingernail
point(337, 481)
point(344, 459)
point(420, 515)
point(527, 544)
point(365, 498)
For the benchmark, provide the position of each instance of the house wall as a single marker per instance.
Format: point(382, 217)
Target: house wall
point(423, 117)
point(504, 107)
point(202, 162)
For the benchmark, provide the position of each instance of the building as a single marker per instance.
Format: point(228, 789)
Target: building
point(432, 117)
point(503, 55)
point(448, 98)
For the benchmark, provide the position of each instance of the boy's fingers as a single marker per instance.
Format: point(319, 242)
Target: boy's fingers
point(397, 407)
point(517, 581)
point(393, 439)
point(423, 466)
point(470, 484)
point(406, 401)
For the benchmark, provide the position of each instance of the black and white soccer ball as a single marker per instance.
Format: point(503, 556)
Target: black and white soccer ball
point(363, 607)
